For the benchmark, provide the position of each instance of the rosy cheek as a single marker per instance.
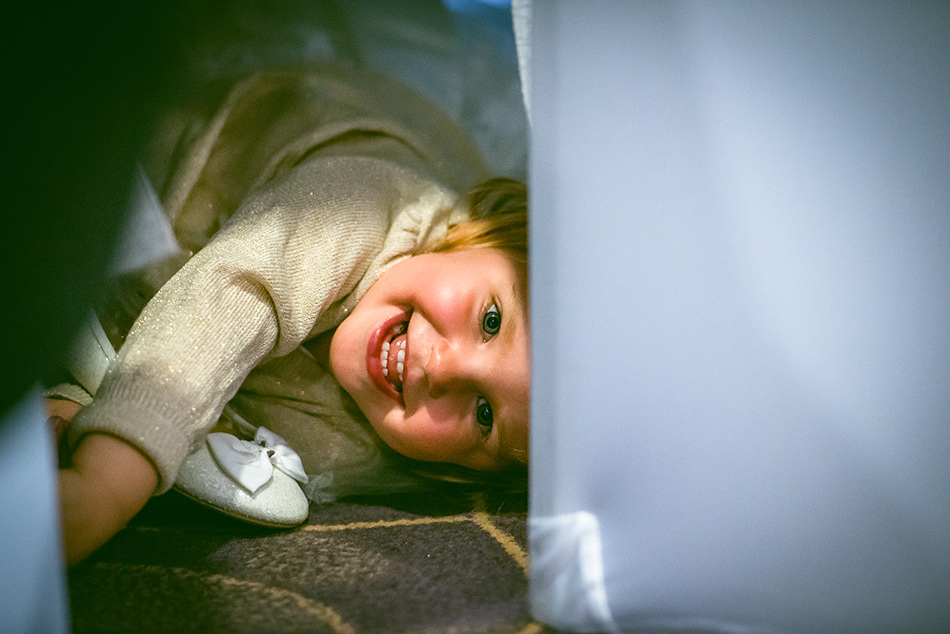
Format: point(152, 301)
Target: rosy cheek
point(436, 440)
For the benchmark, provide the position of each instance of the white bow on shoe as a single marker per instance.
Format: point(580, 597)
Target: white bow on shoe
point(251, 462)
point(239, 478)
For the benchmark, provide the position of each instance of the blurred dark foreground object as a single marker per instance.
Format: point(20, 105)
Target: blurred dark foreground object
point(80, 87)
point(83, 82)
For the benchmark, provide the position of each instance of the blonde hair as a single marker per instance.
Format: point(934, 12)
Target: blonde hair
point(498, 219)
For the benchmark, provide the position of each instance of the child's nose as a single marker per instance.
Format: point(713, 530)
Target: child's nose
point(449, 367)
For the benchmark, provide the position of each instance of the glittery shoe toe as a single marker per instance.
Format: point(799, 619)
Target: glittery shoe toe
point(280, 503)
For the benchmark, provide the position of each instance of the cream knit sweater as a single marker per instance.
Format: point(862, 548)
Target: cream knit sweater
point(321, 181)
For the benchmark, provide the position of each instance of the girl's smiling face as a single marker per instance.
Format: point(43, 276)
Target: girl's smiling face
point(436, 355)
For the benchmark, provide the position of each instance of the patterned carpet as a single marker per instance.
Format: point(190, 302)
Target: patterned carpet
point(449, 562)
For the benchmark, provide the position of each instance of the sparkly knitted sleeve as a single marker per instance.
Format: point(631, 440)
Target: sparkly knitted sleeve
point(289, 254)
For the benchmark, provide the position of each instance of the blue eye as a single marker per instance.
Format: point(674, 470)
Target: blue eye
point(491, 320)
point(484, 416)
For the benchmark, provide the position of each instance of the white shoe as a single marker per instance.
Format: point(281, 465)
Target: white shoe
point(255, 481)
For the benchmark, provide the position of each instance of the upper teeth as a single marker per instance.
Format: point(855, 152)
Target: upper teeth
point(400, 358)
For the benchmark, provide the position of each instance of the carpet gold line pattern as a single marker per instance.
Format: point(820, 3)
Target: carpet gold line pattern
point(450, 519)
point(324, 613)
point(483, 519)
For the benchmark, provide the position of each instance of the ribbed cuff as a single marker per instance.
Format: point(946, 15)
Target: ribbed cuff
point(153, 427)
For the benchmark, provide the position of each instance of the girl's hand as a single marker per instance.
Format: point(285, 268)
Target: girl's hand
point(106, 483)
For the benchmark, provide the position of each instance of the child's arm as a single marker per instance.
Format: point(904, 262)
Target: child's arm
point(106, 484)
point(290, 256)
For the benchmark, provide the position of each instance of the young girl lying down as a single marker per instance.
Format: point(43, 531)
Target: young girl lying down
point(341, 293)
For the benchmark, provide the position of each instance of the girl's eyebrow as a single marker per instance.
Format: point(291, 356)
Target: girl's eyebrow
point(505, 451)
point(513, 454)
point(515, 304)
point(520, 300)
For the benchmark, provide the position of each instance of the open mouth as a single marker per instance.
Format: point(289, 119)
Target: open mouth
point(387, 353)
point(392, 357)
